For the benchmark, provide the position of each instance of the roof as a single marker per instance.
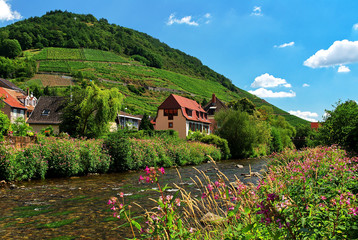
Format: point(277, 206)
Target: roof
point(47, 111)
point(215, 103)
point(176, 102)
point(127, 115)
point(8, 98)
point(7, 84)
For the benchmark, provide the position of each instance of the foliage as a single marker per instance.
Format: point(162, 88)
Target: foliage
point(4, 123)
point(16, 68)
point(219, 142)
point(90, 111)
point(145, 123)
point(130, 153)
point(243, 132)
point(341, 126)
point(309, 194)
point(53, 157)
point(21, 128)
point(243, 105)
point(47, 131)
point(10, 48)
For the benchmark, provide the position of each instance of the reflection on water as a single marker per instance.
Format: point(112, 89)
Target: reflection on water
point(76, 207)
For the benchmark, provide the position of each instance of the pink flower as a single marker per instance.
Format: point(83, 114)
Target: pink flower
point(141, 178)
point(147, 170)
point(323, 198)
point(109, 202)
point(210, 187)
point(121, 194)
point(162, 170)
point(204, 195)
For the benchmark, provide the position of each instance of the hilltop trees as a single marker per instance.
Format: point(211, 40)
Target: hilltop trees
point(10, 48)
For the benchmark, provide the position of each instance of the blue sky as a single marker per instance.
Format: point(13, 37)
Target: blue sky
point(300, 55)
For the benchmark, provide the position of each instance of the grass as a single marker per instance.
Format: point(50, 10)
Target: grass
point(64, 238)
point(61, 213)
point(58, 224)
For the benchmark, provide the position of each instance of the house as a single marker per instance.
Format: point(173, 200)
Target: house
point(12, 107)
point(212, 107)
point(17, 102)
point(126, 120)
point(47, 113)
point(181, 114)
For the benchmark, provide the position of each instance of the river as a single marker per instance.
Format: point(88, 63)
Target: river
point(76, 208)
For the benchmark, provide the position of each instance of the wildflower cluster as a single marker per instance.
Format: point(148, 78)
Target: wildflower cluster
point(309, 194)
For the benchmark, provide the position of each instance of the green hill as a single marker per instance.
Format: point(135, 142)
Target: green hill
point(140, 66)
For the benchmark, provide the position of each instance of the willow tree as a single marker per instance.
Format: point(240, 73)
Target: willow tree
point(89, 111)
point(99, 106)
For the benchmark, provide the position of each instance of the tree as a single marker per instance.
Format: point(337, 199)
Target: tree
point(10, 48)
point(4, 122)
point(145, 124)
point(341, 126)
point(90, 111)
point(243, 132)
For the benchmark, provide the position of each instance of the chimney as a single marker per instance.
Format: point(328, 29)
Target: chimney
point(213, 99)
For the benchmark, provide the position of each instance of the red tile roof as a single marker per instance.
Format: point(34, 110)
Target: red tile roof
point(175, 102)
point(9, 99)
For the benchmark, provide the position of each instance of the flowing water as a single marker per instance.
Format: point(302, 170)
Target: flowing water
point(76, 208)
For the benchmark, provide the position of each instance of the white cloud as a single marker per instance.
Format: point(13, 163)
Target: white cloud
point(184, 20)
point(340, 52)
point(268, 81)
point(355, 26)
point(206, 18)
point(343, 69)
point(6, 14)
point(264, 93)
point(309, 116)
point(257, 11)
point(305, 85)
point(290, 44)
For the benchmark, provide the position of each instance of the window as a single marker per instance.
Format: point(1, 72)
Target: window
point(197, 114)
point(170, 113)
point(170, 125)
point(45, 112)
point(189, 112)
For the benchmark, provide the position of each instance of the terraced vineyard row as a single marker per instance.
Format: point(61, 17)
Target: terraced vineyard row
point(79, 55)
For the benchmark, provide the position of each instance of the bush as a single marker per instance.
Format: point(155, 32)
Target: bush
point(221, 143)
point(53, 157)
point(130, 152)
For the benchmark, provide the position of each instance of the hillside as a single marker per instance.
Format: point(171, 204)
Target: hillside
point(141, 67)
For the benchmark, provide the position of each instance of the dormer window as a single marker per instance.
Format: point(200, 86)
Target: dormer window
point(45, 112)
point(189, 112)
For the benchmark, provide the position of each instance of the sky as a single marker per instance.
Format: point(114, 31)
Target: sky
point(300, 55)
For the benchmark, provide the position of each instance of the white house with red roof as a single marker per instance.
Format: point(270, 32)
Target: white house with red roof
point(182, 114)
point(16, 103)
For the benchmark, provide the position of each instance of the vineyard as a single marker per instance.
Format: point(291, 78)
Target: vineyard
point(78, 55)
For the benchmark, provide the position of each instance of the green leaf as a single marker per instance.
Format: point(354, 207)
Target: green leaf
point(248, 228)
point(136, 224)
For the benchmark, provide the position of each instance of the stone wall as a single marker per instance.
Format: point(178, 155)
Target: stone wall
point(20, 142)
